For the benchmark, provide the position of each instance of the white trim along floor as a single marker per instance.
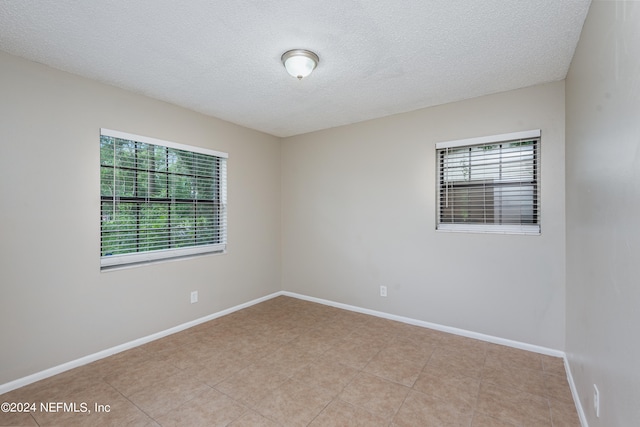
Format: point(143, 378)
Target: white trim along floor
point(5, 389)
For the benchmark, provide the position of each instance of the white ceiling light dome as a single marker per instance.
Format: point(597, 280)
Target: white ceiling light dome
point(300, 62)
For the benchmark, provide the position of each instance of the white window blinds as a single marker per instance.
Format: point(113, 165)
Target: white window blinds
point(490, 184)
point(159, 199)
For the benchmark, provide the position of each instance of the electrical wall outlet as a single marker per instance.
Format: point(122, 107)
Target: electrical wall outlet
point(194, 297)
point(596, 400)
point(383, 291)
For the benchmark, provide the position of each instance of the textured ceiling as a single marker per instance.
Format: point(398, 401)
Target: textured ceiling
point(377, 58)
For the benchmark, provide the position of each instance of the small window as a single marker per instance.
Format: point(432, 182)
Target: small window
point(159, 200)
point(490, 184)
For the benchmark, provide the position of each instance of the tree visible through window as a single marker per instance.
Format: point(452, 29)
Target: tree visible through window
point(159, 199)
point(490, 186)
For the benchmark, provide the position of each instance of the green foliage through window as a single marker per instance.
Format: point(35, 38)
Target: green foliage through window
point(156, 198)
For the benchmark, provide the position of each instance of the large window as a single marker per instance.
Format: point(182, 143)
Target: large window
point(490, 184)
point(159, 199)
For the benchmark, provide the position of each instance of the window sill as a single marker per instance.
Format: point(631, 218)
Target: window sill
point(142, 261)
point(531, 230)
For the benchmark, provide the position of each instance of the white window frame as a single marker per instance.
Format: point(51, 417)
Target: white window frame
point(136, 258)
point(530, 229)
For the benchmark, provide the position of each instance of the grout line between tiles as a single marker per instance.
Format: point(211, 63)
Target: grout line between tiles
point(386, 340)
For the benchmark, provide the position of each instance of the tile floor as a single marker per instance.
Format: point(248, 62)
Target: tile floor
point(287, 362)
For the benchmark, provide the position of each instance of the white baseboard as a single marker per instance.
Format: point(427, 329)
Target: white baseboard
point(574, 393)
point(437, 327)
point(21, 382)
point(464, 333)
point(4, 388)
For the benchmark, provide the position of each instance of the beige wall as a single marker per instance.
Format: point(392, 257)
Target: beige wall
point(55, 304)
point(603, 203)
point(358, 211)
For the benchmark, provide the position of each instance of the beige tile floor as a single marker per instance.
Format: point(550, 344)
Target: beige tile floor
point(287, 362)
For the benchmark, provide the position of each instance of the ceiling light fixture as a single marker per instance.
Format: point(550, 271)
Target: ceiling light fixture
point(300, 62)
